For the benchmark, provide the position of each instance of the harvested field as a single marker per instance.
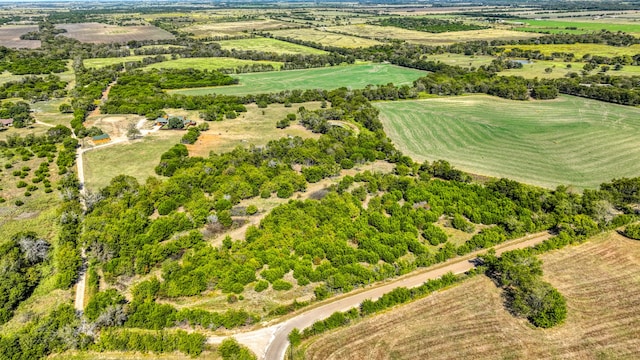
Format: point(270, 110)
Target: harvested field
point(269, 45)
point(420, 37)
point(210, 63)
point(251, 127)
point(97, 33)
point(234, 28)
point(599, 280)
point(10, 36)
point(353, 76)
point(327, 38)
point(570, 140)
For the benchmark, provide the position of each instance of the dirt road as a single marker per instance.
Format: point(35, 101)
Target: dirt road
point(270, 343)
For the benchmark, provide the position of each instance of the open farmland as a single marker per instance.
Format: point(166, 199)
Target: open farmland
point(137, 158)
point(97, 33)
point(233, 28)
point(256, 126)
point(354, 76)
point(327, 38)
point(102, 62)
point(421, 37)
point(10, 36)
point(579, 26)
point(210, 63)
point(579, 50)
point(269, 45)
point(599, 279)
point(570, 140)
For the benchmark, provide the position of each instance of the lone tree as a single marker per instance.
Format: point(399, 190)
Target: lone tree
point(175, 123)
point(132, 131)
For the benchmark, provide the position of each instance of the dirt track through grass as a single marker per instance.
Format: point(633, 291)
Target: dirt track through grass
point(570, 140)
point(599, 280)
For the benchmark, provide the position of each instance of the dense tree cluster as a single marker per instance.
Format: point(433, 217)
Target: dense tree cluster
point(19, 111)
point(520, 275)
point(33, 64)
point(430, 25)
point(22, 261)
point(34, 88)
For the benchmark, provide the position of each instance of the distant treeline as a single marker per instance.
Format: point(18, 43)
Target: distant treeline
point(427, 24)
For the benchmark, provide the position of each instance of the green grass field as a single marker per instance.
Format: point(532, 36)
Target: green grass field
point(269, 45)
point(102, 62)
point(555, 26)
point(354, 76)
point(570, 140)
point(211, 63)
point(581, 49)
point(137, 159)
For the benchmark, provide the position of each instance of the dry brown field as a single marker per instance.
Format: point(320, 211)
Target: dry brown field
point(327, 38)
point(600, 280)
point(234, 28)
point(10, 36)
point(421, 37)
point(97, 33)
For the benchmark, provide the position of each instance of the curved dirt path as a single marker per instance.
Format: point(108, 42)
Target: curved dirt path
point(270, 343)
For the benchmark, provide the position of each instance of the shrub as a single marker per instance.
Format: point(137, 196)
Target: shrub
point(261, 286)
point(460, 223)
point(229, 349)
point(252, 210)
point(281, 285)
point(167, 206)
point(632, 231)
point(434, 235)
point(21, 184)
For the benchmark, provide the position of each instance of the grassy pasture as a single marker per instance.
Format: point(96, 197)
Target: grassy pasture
point(354, 76)
point(599, 280)
point(420, 37)
point(580, 50)
point(570, 140)
point(234, 28)
point(269, 45)
point(535, 69)
point(137, 158)
point(252, 127)
point(102, 62)
point(210, 63)
point(581, 27)
point(10, 36)
point(327, 38)
point(97, 33)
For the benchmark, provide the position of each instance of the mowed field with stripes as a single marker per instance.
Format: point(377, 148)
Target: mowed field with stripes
point(566, 141)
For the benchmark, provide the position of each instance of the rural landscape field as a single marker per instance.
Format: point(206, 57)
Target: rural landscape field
point(269, 180)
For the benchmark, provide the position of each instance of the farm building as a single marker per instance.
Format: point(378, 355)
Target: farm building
point(101, 139)
point(6, 122)
point(162, 121)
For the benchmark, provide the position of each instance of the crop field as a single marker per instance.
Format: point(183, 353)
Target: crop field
point(210, 63)
point(137, 158)
point(570, 140)
point(97, 33)
point(234, 28)
point(555, 26)
point(327, 38)
point(102, 62)
point(354, 76)
point(10, 36)
point(269, 45)
point(580, 50)
point(252, 127)
point(599, 280)
point(420, 37)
